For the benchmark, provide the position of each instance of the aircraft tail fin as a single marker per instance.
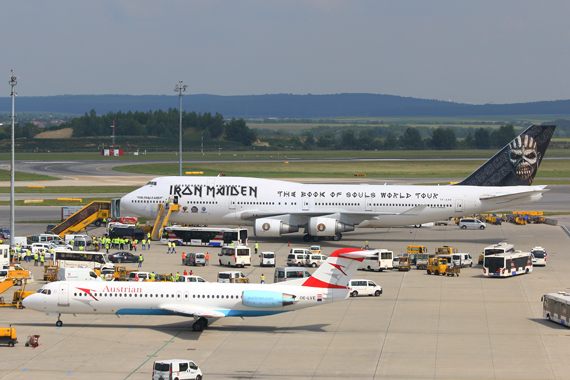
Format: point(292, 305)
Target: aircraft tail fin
point(337, 271)
point(517, 163)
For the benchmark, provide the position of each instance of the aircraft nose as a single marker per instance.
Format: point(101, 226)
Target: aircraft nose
point(28, 301)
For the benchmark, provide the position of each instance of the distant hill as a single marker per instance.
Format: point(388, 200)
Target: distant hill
point(281, 105)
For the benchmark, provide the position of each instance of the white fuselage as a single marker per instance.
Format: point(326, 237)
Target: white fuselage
point(240, 201)
point(151, 298)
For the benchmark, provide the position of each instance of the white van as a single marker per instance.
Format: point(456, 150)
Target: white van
point(44, 238)
point(70, 237)
point(464, 259)
point(538, 256)
point(238, 256)
point(297, 257)
point(176, 369)
point(77, 274)
point(363, 287)
point(21, 240)
point(4, 254)
point(195, 258)
point(314, 260)
point(471, 223)
point(267, 259)
point(229, 276)
point(190, 278)
point(290, 273)
point(83, 241)
point(140, 275)
point(38, 247)
point(381, 259)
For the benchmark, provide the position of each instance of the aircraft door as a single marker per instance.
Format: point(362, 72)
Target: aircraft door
point(63, 294)
point(305, 204)
point(459, 205)
point(232, 204)
point(368, 204)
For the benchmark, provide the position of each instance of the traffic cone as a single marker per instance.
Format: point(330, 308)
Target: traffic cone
point(288, 244)
point(410, 230)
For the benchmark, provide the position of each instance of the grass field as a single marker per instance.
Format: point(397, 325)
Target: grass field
point(391, 169)
point(20, 176)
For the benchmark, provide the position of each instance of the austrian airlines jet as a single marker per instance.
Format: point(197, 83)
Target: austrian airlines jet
point(201, 301)
point(275, 207)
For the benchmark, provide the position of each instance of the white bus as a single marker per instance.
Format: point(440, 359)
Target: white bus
point(507, 264)
point(235, 256)
point(382, 259)
point(556, 307)
point(208, 236)
point(81, 259)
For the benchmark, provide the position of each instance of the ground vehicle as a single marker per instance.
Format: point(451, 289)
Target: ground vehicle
point(415, 249)
point(5, 231)
point(538, 256)
point(381, 260)
point(314, 260)
point(44, 238)
point(167, 277)
point(297, 256)
point(507, 264)
point(362, 287)
point(195, 258)
point(496, 249)
point(437, 266)
point(176, 369)
point(49, 227)
point(126, 231)
point(316, 249)
point(464, 259)
point(190, 278)
point(108, 273)
point(404, 263)
point(238, 256)
point(72, 237)
point(21, 240)
point(471, 223)
point(289, 274)
point(8, 336)
point(76, 274)
point(139, 276)
point(83, 243)
point(4, 254)
point(556, 307)
point(45, 247)
point(445, 250)
point(123, 257)
point(209, 236)
point(75, 259)
point(267, 259)
point(422, 260)
point(231, 276)
point(395, 262)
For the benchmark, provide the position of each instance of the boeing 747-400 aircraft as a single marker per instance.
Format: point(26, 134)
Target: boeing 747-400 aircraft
point(328, 284)
point(275, 207)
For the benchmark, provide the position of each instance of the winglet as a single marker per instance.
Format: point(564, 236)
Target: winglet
point(517, 163)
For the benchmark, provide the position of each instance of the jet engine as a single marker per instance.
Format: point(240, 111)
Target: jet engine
point(273, 228)
point(327, 227)
point(266, 299)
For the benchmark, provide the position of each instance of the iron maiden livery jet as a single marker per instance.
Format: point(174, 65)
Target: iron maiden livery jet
point(275, 207)
point(201, 301)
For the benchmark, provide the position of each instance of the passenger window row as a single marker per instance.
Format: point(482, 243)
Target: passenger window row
point(149, 295)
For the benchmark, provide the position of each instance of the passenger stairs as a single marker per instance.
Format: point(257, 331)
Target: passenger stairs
point(162, 219)
point(84, 217)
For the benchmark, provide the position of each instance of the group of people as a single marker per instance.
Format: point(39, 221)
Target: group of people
point(17, 253)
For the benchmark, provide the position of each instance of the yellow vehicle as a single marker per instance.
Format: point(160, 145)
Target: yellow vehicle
point(415, 249)
point(316, 249)
point(50, 273)
point(437, 266)
point(164, 278)
point(8, 336)
point(445, 250)
point(404, 263)
point(121, 273)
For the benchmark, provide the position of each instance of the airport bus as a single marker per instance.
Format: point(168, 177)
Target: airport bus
point(507, 264)
point(381, 259)
point(208, 236)
point(556, 307)
point(81, 259)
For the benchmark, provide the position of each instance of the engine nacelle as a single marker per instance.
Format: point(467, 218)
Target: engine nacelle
point(327, 227)
point(266, 299)
point(273, 228)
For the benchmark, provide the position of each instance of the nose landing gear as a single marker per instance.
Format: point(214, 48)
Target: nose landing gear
point(59, 323)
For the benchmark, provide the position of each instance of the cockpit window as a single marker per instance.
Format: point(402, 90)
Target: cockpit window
point(44, 291)
point(153, 183)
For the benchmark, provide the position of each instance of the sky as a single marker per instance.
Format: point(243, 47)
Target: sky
point(466, 51)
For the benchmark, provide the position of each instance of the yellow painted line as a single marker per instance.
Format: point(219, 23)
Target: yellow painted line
point(194, 172)
point(37, 187)
point(70, 199)
point(33, 200)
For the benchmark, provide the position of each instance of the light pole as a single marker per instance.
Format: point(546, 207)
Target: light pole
point(219, 151)
point(180, 88)
point(13, 94)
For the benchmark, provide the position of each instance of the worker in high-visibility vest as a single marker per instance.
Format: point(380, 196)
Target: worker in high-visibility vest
point(256, 247)
point(262, 279)
point(42, 259)
point(143, 244)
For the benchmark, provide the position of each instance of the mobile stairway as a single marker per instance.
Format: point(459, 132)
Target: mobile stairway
point(161, 221)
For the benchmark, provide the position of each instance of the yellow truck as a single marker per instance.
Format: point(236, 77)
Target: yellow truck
point(404, 263)
point(439, 265)
point(445, 250)
point(8, 336)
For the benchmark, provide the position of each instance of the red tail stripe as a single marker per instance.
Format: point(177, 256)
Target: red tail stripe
point(316, 283)
point(341, 253)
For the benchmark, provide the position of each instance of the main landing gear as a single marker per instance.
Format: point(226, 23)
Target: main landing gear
point(308, 237)
point(200, 324)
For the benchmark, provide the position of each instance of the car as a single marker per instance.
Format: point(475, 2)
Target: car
point(396, 262)
point(471, 223)
point(176, 369)
point(363, 287)
point(123, 257)
point(37, 247)
point(5, 232)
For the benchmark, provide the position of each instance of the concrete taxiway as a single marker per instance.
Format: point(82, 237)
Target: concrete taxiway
point(422, 326)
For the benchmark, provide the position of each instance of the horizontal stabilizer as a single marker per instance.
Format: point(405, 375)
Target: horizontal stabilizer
point(513, 196)
point(193, 310)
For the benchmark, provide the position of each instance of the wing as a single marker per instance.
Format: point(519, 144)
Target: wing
point(193, 310)
point(504, 198)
